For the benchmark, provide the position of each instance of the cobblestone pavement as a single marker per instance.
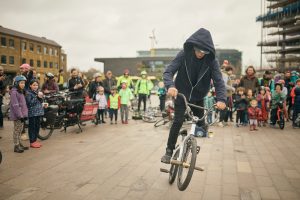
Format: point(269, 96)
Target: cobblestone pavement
point(123, 162)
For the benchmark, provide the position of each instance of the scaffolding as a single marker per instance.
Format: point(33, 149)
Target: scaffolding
point(280, 36)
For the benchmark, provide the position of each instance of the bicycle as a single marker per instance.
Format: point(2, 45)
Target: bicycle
point(150, 114)
point(167, 116)
point(188, 145)
point(280, 115)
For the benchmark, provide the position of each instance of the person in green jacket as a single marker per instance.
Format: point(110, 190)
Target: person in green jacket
point(126, 95)
point(278, 97)
point(127, 78)
point(142, 89)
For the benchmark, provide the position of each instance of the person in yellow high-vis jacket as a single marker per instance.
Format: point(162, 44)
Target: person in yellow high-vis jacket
point(142, 89)
point(113, 104)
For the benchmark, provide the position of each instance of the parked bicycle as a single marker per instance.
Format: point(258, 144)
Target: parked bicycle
point(183, 162)
point(62, 112)
point(151, 114)
point(167, 116)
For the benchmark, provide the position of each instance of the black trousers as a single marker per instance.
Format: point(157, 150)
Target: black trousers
point(162, 101)
point(273, 117)
point(142, 97)
point(100, 114)
point(240, 116)
point(33, 128)
point(179, 118)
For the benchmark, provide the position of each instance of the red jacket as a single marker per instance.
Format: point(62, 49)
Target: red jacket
point(254, 113)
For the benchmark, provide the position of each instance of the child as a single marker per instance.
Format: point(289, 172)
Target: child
point(125, 95)
point(101, 98)
point(162, 95)
point(6, 101)
point(263, 102)
point(277, 97)
point(254, 115)
point(113, 104)
point(240, 105)
point(18, 111)
point(35, 111)
point(295, 94)
point(249, 98)
point(209, 101)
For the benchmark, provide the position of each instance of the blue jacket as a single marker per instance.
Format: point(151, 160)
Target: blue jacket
point(194, 75)
point(34, 104)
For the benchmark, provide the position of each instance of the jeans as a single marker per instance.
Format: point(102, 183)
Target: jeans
point(33, 128)
point(179, 118)
point(100, 115)
point(124, 112)
point(113, 112)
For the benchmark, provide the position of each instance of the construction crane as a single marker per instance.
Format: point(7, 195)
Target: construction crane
point(153, 42)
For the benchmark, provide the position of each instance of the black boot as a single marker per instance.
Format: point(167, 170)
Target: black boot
point(167, 157)
point(18, 149)
point(23, 147)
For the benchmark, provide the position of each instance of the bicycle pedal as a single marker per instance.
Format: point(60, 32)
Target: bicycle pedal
point(164, 170)
point(198, 149)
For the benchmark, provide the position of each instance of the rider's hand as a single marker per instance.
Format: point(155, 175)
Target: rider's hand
point(221, 105)
point(172, 91)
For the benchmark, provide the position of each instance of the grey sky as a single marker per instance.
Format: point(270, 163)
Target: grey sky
point(118, 28)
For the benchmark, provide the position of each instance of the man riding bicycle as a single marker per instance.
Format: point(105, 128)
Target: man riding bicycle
point(195, 66)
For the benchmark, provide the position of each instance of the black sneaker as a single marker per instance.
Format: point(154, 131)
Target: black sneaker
point(18, 149)
point(23, 147)
point(167, 157)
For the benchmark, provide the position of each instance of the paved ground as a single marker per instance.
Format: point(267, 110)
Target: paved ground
point(123, 162)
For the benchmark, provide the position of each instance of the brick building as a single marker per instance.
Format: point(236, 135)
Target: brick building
point(42, 54)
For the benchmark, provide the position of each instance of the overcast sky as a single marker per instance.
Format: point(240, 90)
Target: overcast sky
point(118, 28)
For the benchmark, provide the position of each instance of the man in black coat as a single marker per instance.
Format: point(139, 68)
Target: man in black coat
point(76, 85)
point(195, 66)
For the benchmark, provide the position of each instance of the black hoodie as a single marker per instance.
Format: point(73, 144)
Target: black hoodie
point(194, 75)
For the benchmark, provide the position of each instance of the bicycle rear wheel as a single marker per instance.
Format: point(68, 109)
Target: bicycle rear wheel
point(186, 170)
point(173, 168)
point(161, 122)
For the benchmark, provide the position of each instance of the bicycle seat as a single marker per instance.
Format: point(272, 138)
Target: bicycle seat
point(183, 132)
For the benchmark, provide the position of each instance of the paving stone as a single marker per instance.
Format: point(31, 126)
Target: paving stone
point(291, 173)
point(268, 193)
point(288, 195)
point(263, 181)
point(244, 167)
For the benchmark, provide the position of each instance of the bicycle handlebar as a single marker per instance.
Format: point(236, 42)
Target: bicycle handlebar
point(189, 111)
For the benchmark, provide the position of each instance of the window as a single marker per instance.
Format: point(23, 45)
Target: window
point(62, 58)
point(39, 49)
point(50, 52)
point(11, 60)
point(45, 64)
point(56, 65)
point(45, 50)
point(3, 59)
point(55, 52)
point(51, 64)
point(38, 63)
point(31, 47)
point(24, 47)
point(23, 60)
point(3, 41)
point(11, 43)
point(31, 63)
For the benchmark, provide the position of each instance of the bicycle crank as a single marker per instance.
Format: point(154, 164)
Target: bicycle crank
point(164, 170)
point(185, 165)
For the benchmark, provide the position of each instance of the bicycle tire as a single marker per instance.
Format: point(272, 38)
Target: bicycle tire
point(281, 121)
point(149, 119)
point(45, 132)
point(161, 122)
point(173, 169)
point(191, 144)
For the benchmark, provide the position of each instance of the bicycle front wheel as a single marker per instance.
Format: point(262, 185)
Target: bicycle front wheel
point(173, 168)
point(186, 170)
